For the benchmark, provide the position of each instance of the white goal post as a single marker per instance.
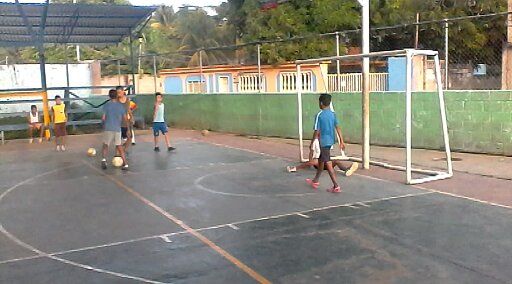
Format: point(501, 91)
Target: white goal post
point(409, 54)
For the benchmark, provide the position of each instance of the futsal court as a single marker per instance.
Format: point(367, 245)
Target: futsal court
point(212, 213)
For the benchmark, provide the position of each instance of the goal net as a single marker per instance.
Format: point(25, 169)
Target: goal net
point(437, 111)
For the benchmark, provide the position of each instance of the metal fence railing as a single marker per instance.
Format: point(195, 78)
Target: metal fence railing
point(352, 82)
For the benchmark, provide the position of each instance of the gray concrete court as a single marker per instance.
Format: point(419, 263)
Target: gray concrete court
point(212, 214)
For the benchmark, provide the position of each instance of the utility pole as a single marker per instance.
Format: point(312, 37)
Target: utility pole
point(77, 46)
point(365, 5)
point(506, 74)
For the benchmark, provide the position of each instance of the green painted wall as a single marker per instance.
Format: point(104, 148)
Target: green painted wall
point(479, 121)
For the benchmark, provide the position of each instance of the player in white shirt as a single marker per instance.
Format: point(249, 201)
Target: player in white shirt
point(314, 154)
point(34, 122)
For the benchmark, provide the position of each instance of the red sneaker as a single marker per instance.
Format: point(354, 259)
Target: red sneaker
point(334, 190)
point(313, 184)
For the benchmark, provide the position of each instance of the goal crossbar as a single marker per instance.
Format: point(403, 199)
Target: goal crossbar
point(401, 52)
point(409, 54)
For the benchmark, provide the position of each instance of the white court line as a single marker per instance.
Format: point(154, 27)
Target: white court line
point(296, 213)
point(20, 259)
point(240, 149)
point(464, 197)
point(443, 192)
point(206, 166)
point(197, 183)
point(166, 239)
point(303, 215)
point(233, 227)
point(352, 206)
point(369, 177)
point(305, 212)
point(44, 254)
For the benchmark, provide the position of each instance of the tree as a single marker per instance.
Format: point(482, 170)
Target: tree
point(297, 19)
point(198, 32)
point(106, 2)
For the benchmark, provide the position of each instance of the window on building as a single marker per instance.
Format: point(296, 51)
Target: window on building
point(249, 83)
point(194, 87)
point(288, 82)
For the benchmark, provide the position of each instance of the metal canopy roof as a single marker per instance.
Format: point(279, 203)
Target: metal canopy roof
point(68, 23)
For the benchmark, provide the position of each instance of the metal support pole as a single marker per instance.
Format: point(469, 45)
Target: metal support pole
point(66, 91)
point(201, 70)
point(299, 113)
point(446, 76)
point(77, 46)
point(408, 118)
point(46, 107)
point(366, 83)
point(119, 72)
point(417, 36)
point(139, 67)
point(442, 109)
point(338, 82)
point(78, 53)
point(132, 64)
point(154, 73)
point(38, 39)
point(259, 68)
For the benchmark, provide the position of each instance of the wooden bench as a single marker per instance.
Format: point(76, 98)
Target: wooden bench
point(17, 127)
point(139, 119)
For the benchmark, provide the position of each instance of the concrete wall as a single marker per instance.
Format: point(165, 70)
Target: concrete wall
point(19, 76)
point(144, 84)
point(479, 121)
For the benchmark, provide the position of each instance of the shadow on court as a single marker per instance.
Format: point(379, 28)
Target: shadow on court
point(213, 214)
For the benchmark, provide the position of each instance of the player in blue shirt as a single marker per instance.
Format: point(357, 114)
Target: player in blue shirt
point(326, 127)
point(113, 117)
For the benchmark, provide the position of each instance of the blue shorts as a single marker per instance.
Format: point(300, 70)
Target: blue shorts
point(159, 127)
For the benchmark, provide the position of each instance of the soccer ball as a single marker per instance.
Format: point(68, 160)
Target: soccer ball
point(117, 162)
point(91, 152)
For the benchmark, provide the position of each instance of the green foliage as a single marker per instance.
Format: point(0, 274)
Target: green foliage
point(184, 36)
point(301, 18)
point(106, 2)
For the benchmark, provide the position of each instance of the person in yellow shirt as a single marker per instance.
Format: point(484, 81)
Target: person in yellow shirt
point(59, 119)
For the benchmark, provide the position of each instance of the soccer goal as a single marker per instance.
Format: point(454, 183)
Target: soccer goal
point(421, 175)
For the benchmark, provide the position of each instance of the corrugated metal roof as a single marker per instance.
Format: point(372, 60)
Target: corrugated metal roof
point(70, 23)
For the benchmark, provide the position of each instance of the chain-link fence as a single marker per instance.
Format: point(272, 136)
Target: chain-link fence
point(471, 50)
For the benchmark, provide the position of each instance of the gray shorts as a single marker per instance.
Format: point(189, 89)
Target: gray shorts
point(112, 137)
point(325, 154)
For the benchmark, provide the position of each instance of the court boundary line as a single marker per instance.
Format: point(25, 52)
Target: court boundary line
point(198, 184)
point(220, 226)
point(42, 254)
point(490, 203)
point(242, 266)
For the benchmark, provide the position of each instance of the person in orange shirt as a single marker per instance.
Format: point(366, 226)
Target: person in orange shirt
point(133, 107)
point(59, 119)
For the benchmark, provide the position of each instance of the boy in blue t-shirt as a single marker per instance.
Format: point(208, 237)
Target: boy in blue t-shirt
point(113, 117)
point(325, 127)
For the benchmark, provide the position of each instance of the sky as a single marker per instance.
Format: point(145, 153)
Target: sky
point(174, 3)
point(177, 3)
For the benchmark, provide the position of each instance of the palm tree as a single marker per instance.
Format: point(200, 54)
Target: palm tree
point(164, 17)
point(199, 32)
